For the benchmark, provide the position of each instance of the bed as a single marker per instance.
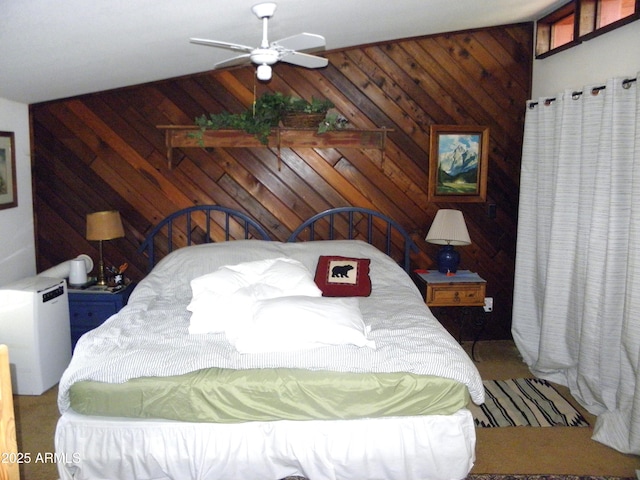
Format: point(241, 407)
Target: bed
point(249, 358)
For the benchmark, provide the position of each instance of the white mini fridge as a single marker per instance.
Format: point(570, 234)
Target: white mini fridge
point(34, 324)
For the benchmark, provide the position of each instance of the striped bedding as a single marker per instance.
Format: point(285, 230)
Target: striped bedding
point(149, 337)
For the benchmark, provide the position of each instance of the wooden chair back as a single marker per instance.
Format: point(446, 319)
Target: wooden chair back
point(9, 470)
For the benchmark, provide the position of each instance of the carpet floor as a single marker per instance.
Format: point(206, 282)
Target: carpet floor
point(534, 451)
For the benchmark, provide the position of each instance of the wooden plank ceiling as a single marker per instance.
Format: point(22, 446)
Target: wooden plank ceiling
point(103, 151)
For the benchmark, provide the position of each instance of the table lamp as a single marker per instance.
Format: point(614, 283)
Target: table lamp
point(448, 229)
point(104, 226)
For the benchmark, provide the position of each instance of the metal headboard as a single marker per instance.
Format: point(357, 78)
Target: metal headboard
point(388, 226)
point(251, 228)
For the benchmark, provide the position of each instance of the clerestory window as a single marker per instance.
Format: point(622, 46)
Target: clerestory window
point(580, 20)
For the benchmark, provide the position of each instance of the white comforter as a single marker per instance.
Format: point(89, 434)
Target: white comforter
point(149, 337)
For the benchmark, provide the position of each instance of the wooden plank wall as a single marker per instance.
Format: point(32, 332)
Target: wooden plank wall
point(103, 151)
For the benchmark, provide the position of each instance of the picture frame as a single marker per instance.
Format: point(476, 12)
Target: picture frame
point(458, 163)
point(8, 184)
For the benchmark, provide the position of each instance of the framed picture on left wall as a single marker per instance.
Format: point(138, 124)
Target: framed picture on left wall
point(8, 189)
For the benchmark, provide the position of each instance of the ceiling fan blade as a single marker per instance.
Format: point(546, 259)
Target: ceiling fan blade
point(216, 43)
point(235, 61)
point(304, 60)
point(302, 41)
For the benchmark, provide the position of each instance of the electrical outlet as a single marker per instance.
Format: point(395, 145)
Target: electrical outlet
point(488, 304)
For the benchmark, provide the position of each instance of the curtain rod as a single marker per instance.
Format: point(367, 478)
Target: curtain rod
point(626, 83)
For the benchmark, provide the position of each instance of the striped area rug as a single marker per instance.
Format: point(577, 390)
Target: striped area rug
point(528, 402)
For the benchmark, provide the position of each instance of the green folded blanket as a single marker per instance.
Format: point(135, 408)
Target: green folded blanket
point(233, 396)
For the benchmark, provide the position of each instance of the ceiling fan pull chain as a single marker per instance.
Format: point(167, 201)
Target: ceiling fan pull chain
point(254, 96)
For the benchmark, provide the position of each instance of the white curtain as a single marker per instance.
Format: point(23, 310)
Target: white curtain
point(576, 315)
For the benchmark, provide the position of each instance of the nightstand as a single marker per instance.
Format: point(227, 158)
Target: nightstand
point(464, 289)
point(90, 307)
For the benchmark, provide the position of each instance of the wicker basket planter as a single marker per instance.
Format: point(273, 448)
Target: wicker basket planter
point(302, 120)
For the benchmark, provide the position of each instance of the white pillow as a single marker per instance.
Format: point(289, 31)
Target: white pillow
point(226, 294)
point(223, 281)
point(291, 323)
point(287, 274)
point(211, 312)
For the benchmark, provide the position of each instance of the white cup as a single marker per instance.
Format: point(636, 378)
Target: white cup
point(78, 272)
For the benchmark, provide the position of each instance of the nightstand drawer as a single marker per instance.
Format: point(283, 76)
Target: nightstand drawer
point(452, 294)
point(92, 314)
point(89, 309)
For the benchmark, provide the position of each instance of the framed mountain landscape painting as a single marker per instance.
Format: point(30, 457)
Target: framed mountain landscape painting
point(458, 161)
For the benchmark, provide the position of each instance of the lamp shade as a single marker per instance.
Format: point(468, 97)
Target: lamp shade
point(448, 228)
point(104, 225)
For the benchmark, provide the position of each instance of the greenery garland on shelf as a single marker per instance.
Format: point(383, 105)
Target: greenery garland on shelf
point(267, 112)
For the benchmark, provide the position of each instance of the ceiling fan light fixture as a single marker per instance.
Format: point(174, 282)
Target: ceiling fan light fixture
point(264, 72)
point(288, 50)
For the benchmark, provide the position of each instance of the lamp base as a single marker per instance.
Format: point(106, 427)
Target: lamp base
point(102, 281)
point(448, 259)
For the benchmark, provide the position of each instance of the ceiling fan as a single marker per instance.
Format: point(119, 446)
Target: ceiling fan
point(287, 50)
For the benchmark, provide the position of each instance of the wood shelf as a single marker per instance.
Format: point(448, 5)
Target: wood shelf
point(188, 136)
